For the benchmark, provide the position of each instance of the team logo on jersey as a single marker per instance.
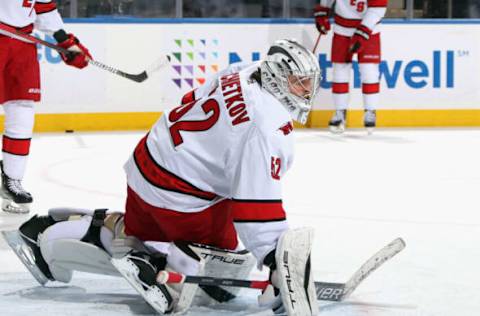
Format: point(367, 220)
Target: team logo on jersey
point(287, 128)
point(193, 61)
point(275, 168)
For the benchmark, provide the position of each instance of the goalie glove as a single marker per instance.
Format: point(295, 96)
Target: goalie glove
point(79, 55)
point(321, 19)
point(359, 39)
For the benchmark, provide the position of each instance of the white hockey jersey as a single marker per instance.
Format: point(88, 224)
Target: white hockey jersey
point(229, 139)
point(349, 14)
point(29, 14)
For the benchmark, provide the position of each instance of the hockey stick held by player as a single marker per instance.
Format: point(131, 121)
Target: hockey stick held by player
point(209, 173)
point(20, 87)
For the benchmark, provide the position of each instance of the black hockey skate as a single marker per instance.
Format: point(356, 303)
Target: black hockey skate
point(24, 243)
point(338, 122)
point(140, 270)
point(15, 198)
point(370, 120)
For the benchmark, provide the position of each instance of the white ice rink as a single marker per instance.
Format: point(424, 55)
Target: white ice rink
point(358, 191)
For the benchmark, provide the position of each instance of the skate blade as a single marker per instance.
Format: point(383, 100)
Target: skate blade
point(24, 253)
point(337, 129)
point(370, 130)
point(152, 295)
point(9, 206)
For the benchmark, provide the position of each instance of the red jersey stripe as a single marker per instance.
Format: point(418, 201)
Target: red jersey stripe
point(257, 210)
point(162, 178)
point(350, 23)
point(26, 29)
point(376, 3)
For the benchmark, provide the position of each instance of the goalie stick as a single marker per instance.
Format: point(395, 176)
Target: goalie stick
point(326, 291)
point(314, 50)
point(14, 33)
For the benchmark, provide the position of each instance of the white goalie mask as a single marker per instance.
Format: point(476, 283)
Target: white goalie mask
point(292, 75)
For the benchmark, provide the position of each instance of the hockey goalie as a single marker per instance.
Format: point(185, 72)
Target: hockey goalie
point(203, 197)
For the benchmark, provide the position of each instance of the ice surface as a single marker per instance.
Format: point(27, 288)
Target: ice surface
point(358, 191)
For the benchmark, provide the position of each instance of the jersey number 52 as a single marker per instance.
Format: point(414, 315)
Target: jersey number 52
point(209, 107)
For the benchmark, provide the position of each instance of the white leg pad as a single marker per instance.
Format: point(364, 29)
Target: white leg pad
point(224, 264)
point(72, 255)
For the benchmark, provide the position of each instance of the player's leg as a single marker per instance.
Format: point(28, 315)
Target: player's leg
point(22, 89)
point(212, 226)
point(52, 246)
point(369, 60)
point(342, 65)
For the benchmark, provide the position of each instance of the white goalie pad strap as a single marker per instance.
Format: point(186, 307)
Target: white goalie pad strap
point(294, 276)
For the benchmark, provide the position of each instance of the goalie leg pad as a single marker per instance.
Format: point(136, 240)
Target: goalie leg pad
point(72, 255)
point(63, 251)
point(293, 273)
point(223, 263)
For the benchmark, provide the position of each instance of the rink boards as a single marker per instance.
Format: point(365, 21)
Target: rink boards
point(428, 71)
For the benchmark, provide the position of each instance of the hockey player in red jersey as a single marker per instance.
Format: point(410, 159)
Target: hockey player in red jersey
point(20, 88)
point(356, 32)
point(209, 171)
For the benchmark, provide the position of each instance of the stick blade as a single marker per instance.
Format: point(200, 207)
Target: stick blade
point(372, 264)
point(141, 77)
point(154, 67)
point(340, 291)
point(327, 291)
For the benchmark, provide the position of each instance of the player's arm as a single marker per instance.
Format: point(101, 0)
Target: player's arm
point(256, 198)
point(49, 21)
point(260, 221)
point(321, 13)
point(375, 12)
